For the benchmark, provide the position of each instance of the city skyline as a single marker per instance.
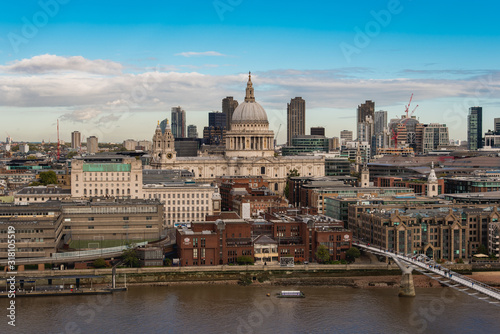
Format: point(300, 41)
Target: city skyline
point(113, 74)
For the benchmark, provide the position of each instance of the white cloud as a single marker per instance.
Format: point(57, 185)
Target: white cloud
point(52, 64)
point(200, 54)
point(109, 101)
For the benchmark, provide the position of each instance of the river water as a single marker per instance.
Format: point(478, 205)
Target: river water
point(239, 309)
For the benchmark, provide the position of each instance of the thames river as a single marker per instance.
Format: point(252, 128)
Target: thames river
point(239, 309)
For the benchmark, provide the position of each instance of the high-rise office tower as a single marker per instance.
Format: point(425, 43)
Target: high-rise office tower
point(192, 131)
point(317, 131)
point(92, 144)
point(296, 119)
point(365, 121)
point(496, 126)
point(345, 135)
point(217, 119)
point(475, 128)
point(76, 140)
point(228, 106)
point(178, 122)
point(380, 128)
point(163, 125)
point(215, 132)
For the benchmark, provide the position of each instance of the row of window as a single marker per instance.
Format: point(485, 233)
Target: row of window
point(198, 208)
point(22, 240)
point(184, 195)
point(128, 176)
point(35, 199)
point(23, 231)
point(185, 215)
point(95, 179)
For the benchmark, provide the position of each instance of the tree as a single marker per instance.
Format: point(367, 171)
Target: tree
point(48, 177)
point(291, 173)
point(99, 263)
point(322, 254)
point(244, 259)
point(70, 155)
point(130, 257)
point(482, 250)
point(352, 253)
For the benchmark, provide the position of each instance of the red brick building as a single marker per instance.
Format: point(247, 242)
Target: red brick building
point(248, 206)
point(419, 186)
point(230, 186)
point(224, 240)
point(214, 243)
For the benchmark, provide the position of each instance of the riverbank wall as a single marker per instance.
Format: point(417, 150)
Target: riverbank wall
point(353, 275)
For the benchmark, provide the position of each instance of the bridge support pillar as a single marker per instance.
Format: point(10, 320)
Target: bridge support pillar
point(407, 288)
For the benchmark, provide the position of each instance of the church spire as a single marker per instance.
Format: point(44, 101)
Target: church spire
point(249, 95)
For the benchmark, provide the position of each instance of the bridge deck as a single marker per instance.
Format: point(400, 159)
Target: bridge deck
point(431, 269)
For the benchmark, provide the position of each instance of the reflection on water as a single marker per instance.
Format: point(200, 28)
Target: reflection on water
point(237, 309)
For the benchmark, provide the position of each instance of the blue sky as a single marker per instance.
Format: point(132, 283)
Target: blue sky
point(113, 68)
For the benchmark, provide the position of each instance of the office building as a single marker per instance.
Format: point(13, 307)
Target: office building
point(317, 131)
point(380, 129)
point(178, 122)
point(296, 119)
point(475, 128)
point(496, 127)
point(306, 144)
point(434, 135)
point(345, 135)
point(365, 121)
point(114, 177)
point(333, 144)
point(192, 131)
point(228, 106)
point(76, 140)
point(92, 144)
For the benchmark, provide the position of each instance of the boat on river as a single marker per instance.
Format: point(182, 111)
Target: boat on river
point(291, 294)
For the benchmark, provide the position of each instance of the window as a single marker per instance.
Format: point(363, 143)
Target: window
point(125, 218)
point(91, 218)
point(195, 253)
point(91, 227)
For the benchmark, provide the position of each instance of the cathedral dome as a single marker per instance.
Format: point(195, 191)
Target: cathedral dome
point(249, 111)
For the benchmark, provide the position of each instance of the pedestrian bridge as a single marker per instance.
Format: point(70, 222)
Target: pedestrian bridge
point(426, 266)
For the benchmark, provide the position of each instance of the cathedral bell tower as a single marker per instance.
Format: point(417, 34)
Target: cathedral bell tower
point(163, 150)
point(432, 183)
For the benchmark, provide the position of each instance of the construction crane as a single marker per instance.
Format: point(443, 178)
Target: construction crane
point(403, 121)
point(58, 148)
point(277, 133)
